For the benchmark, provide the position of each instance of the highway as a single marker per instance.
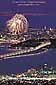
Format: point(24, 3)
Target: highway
point(25, 78)
point(22, 52)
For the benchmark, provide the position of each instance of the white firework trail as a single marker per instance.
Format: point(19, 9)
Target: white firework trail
point(17, 24)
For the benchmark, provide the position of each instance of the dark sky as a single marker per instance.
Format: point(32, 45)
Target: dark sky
point(42, 15)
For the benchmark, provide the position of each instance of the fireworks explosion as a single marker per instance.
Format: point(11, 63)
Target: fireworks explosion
point(17, 24)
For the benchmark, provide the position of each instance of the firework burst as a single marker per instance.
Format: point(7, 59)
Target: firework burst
point(17, 24)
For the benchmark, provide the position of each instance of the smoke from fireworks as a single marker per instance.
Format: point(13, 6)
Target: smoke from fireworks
point(17, 24)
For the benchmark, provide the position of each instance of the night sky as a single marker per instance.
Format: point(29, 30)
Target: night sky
point(38, 16)
point(47, 11)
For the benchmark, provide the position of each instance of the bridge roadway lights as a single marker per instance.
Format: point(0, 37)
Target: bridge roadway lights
point(10, 55)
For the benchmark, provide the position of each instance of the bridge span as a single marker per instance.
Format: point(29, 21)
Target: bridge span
point(22, 52)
